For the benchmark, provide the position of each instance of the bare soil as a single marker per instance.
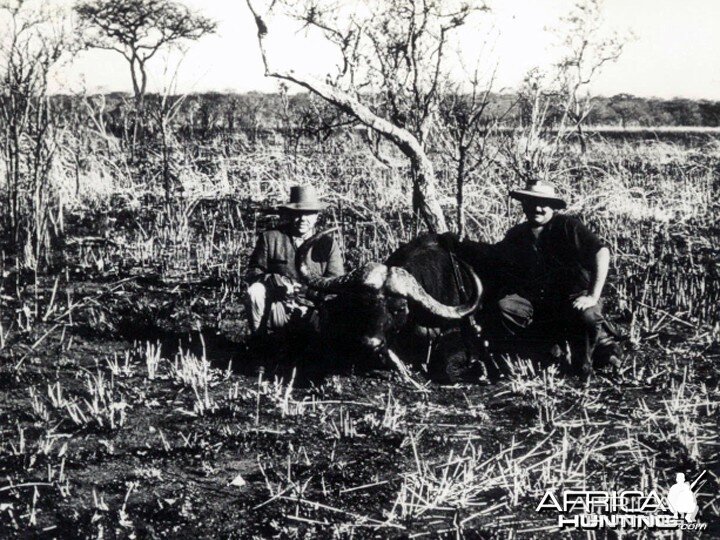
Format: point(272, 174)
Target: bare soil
point(320, 455)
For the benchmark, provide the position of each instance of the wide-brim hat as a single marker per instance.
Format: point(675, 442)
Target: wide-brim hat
point(303, 199)
point(540, 191)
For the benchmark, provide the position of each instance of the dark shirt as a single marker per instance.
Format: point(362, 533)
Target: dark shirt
point(556, 265)
point(484, 259)
point(275, 250)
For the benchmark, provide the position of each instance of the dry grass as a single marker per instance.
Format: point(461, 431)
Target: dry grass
point(346, 457)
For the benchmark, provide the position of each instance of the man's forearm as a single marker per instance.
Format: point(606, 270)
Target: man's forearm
point(602, 264)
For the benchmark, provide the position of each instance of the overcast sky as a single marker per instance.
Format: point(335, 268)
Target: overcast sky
point(675, 50)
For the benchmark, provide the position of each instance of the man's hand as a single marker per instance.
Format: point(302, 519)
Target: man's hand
point(283, 286)
point(292, 287)
point(585, 302)
point(298, 288)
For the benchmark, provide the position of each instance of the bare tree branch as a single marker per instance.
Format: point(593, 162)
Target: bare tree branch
point(425, 192)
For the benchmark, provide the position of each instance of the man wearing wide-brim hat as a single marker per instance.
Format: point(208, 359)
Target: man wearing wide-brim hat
point(275, 295)
point(555, 270)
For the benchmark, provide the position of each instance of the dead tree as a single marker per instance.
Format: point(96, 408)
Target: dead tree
point(556, 102)
point(587, 49)
point(33, 39)
point(464, 131)
point(164, 114)
point(393, 61)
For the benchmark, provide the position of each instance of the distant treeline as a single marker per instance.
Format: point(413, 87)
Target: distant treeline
point(214, 111)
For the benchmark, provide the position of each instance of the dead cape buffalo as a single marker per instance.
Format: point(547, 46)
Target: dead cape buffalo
point(415, 305)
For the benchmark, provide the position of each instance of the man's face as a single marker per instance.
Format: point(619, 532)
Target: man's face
point(537, 211)
point(303, 223)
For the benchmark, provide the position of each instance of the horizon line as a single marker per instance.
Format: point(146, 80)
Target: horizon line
point(308, 92)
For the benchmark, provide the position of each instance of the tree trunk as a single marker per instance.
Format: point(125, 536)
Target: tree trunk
point(460, 180)
point(165, 160)
point(139, 81)
point(581, 139)
point(425, 194)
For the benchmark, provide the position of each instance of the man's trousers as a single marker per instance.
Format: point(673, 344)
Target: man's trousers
point(270, 308)
point(557, 322)
point(265, 313)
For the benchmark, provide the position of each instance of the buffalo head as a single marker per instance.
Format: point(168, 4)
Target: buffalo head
point(375, 301)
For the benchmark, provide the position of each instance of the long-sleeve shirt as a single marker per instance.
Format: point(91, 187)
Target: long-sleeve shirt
point(275, 251)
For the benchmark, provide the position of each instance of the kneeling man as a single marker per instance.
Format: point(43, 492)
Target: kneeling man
point(556, 273)
point(275, 294)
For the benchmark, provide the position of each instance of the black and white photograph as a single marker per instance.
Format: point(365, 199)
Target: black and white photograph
point(355, 269)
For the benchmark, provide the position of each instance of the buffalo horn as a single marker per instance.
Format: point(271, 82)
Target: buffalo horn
point(403, 283)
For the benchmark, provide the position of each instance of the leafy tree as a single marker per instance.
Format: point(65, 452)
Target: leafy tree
point(710, 112)
point(138, 29)
point(684, 112)
point(630, 110)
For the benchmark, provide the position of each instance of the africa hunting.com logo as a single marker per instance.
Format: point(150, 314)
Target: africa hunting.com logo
point(631, 509)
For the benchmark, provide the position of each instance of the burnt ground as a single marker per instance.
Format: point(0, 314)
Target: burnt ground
point(97, 443)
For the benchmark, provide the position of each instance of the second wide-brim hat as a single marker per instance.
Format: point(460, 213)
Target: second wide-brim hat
point(540, 191)
point(303, 199)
